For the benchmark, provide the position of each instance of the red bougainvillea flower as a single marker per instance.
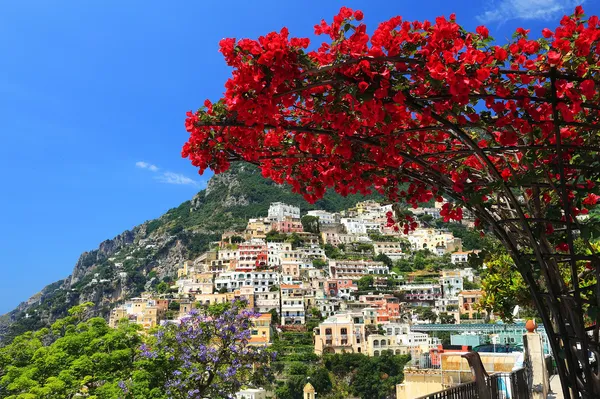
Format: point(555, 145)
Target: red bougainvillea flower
point(418, 110)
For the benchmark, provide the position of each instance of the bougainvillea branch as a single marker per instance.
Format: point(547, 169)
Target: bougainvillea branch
point(422, 110)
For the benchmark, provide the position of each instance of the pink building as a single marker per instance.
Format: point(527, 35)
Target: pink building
point(288, 225)
point(337, 287)
point(251, 256)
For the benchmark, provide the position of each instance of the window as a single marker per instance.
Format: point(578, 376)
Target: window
point(344, 331)
point(328, 331)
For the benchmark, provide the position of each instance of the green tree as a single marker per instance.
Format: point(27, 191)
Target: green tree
point(365, 283)
point(427, 314)
point(376, 377)
point(332, 252)
point(503, 288)
point(321, 380)
point(447, 318)
point(385, 259)
point(274, 316)
point(468, 285)
point(74, 358)
point(162, 287)
point(295, 240)
point(310, 224)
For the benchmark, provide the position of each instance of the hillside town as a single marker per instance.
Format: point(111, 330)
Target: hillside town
point(337, 276)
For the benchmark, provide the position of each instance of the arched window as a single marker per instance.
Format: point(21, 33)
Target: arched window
point(375, 342)
point(375, 353)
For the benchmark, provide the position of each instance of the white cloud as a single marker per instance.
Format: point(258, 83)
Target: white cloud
point(504, 10)
point(176, 178)
point(146, 165)
point(167, 177)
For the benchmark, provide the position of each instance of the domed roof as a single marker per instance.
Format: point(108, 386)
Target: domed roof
point(308, 388)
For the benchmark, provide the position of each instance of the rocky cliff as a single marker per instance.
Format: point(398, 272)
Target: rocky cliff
point(138, 259)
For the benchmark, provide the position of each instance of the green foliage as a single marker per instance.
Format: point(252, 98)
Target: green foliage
point(72, 358)
point(365, 282)
point(370, 377)
point(468, 285)
point(332, 252)
point(426, 313)
point(310, 224)
point(362, 247)
point(503, 287)
point(319, 263)
point(162, 287)
point(471, 239)
point(295, 240)
point(274, 317)
point(275, 236)
point(376, 378)
point(447, 318)
point(385, 259)
point(377, 236)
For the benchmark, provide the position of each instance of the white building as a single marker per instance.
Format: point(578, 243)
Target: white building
point(261, 281)
point(324, 216)
point(292, 304)
point(452, 283)
point(355, 269)
point(278, 211)
point(462, 256)
point(265, 301)
point(392, 249)
point(354, 225)
point(252, 393)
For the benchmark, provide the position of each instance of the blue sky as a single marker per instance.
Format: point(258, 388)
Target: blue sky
point(93, 96)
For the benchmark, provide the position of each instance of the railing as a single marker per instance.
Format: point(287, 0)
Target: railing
point(462, 391)
point(500, 386)
point(510, 385)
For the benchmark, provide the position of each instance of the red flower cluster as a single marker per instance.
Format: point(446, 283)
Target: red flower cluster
point(415, 110)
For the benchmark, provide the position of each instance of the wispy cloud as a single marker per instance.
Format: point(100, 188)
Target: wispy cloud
point(146, 165)
point(505, 10)
point(175, 178)
point(166, 176)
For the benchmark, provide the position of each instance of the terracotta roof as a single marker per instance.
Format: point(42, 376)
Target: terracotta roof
point(284, 286)
point(258, 340)
point(471, 292)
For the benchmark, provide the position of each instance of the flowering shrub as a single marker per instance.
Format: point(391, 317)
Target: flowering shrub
point(207, 354)
point(422, 110)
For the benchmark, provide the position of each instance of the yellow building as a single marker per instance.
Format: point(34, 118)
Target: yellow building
point(145, 311)
point(261, 330)
point(468, 301)
point(434, 240)
point(338, 334)
point(185, 269)
point(258, 228)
